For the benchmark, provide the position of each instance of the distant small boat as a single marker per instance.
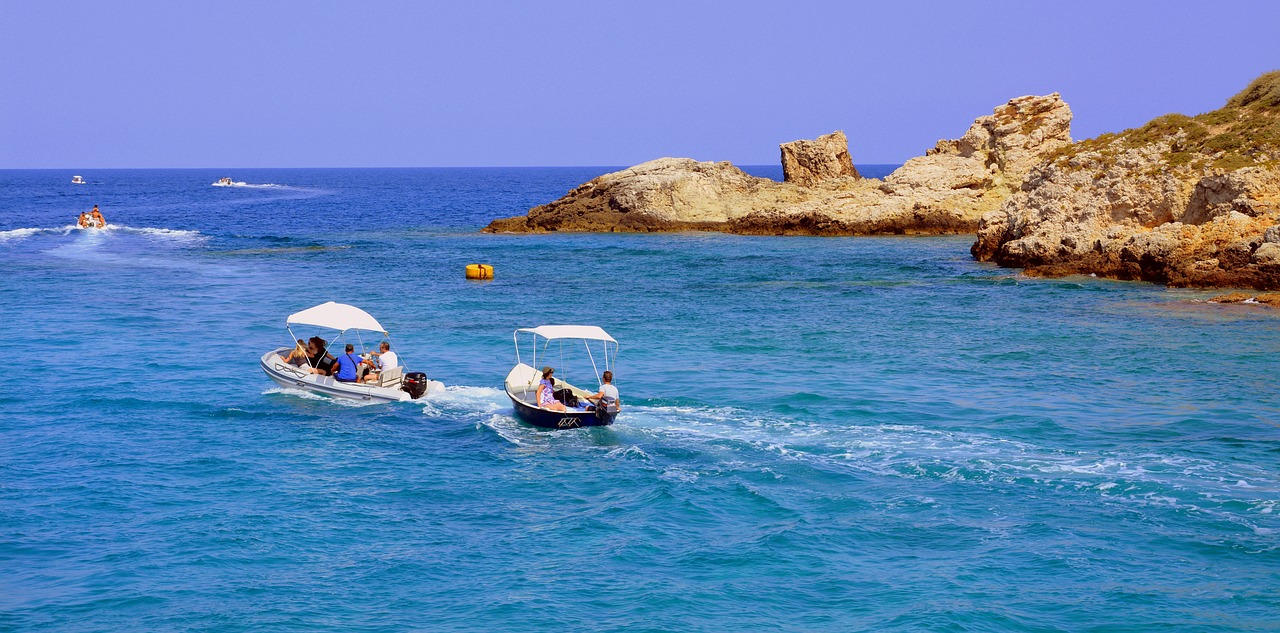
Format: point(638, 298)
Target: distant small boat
point(77, 180)
point(226, 182)
point(523, 380)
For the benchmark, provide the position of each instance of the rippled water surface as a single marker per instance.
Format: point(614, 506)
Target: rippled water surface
point(820, 433)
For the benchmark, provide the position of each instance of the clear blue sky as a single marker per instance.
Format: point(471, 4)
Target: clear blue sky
point(385, 84)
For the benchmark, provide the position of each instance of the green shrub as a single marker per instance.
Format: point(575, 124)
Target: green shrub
point(1263, 92)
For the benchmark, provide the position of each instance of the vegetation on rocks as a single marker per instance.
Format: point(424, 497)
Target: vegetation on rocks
point(1244, 132)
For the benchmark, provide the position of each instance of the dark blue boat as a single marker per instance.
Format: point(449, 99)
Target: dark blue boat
point(522, 382)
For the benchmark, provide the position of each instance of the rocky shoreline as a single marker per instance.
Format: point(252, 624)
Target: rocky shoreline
point(1184, 201)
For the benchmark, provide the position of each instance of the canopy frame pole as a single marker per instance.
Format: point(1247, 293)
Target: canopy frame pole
point(328, 346)
point(293, 338)
point(587, 344)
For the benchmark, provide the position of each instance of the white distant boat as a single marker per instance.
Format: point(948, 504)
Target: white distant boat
point(77, 180)
point(226, 182)
point(393, 385)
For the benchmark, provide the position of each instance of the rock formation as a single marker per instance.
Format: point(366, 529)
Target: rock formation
point(811, 162)
point(945, 191)
point(1187, 201)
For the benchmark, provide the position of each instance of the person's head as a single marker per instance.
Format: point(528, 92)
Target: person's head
point(385, 346)
point(546, 372)
point(607, 376)
point(318, 343)
point(350, 348)
point(95, 207)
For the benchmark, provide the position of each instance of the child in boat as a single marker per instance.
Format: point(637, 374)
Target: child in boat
point(298, 357)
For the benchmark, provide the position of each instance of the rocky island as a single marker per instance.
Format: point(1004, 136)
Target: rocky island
point(1187, 201)
point(945, 191)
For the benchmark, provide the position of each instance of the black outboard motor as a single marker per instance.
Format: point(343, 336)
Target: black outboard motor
point(415, 383)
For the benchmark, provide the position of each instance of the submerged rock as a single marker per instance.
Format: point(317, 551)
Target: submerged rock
point(946, 191)
point(1270, 299)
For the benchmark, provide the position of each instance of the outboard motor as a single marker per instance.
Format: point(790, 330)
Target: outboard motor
point(415, 383)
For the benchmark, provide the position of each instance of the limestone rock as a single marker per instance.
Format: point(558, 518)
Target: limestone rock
point(810, 162)
point(1267, 254)
point(1015, 137)
point(946, 191)
point(1187, 201)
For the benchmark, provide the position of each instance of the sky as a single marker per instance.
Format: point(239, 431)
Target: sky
point(434, 84)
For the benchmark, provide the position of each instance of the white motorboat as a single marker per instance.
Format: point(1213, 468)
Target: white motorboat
point(77, 180)
point(522, 381)
point(347, 321)
point(226, 182)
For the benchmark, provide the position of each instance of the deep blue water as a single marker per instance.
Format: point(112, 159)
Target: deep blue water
point(820, 433)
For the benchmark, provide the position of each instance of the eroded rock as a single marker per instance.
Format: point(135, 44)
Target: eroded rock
point(809, 163)
point(946, 191)
point(1183, 201)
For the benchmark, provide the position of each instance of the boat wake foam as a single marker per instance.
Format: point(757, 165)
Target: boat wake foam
point(307, 395)
point(180, 235)
point(19, 234)
point(913, 452)
point(724, 437)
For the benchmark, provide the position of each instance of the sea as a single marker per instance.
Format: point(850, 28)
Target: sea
point(817, 433)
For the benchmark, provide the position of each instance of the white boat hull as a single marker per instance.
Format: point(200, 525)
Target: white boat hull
point(291, 377)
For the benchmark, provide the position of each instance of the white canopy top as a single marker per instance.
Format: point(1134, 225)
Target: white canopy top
point(551, 332)
point(338, 316)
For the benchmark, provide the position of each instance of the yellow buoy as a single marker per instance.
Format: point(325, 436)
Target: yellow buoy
point(479, 271)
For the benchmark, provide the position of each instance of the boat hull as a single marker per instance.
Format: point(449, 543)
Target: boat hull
point(293, 378)
point(560, 419)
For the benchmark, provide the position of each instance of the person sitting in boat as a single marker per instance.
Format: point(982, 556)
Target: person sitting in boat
point(84, 221)
point(97, 217)
point(608, 394)
point(347, 367)
point(298, 357)
point(387, 359)
point(321, 361)
point(546, 392)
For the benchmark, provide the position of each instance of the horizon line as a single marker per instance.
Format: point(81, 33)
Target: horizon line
point(779, 165)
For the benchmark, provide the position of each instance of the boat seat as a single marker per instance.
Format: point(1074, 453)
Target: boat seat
point(391, 378)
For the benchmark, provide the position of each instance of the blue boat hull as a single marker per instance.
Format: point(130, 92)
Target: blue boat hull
point(560, 419)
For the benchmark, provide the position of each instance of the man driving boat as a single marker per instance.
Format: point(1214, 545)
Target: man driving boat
point(608, 394)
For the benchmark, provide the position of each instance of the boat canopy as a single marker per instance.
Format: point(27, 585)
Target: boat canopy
point(553, 332)
point(338, 316)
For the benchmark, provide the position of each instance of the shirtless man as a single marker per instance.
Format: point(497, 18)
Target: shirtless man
point(97, 217)
point(84, 221)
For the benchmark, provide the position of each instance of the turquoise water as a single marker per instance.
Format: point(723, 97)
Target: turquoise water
point(820, 433)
